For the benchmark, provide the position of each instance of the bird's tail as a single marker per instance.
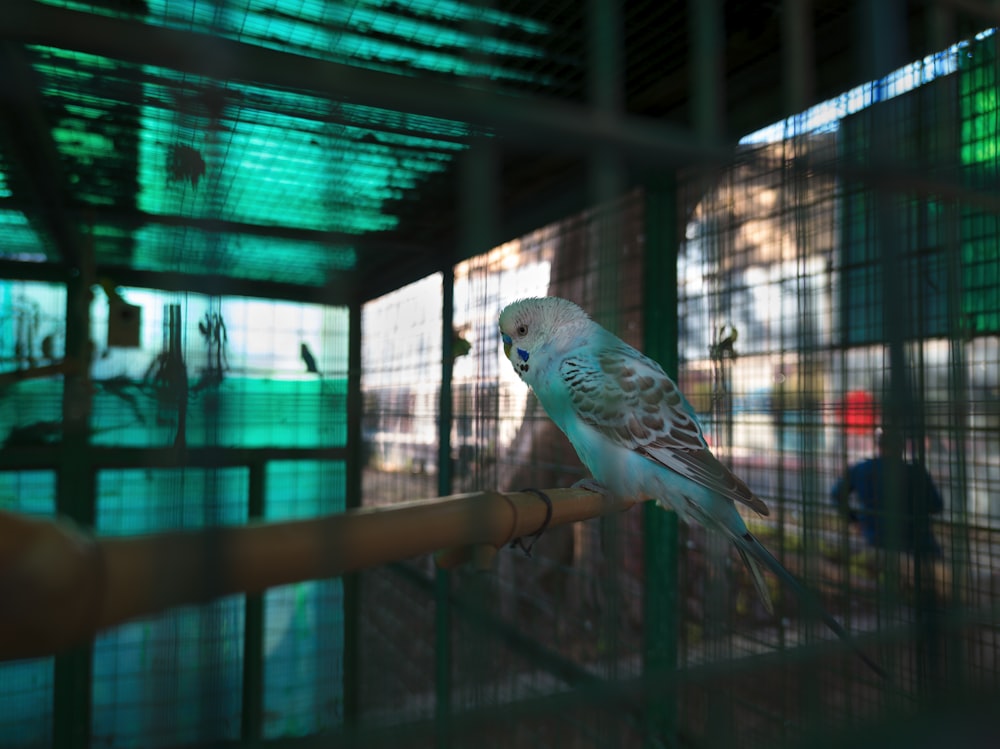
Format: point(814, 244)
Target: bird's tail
point(758, 579)
point(752, 551)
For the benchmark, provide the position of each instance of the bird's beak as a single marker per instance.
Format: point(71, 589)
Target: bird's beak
point(507, 343)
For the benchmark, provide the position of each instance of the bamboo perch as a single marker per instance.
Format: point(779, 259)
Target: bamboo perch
point(67, 366)
point(59, 586)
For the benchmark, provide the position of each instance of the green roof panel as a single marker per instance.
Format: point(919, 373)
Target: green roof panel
point(277, 168)
point(146, 149)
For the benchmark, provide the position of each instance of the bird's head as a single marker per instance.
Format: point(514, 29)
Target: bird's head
point(531, 328)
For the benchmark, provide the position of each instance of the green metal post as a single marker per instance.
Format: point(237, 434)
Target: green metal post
point(253, 631)
point(355, 457)
point(607, 184)
point(661, 559)
point(76, 499)
point(884, 45)
point(941, 24)
point(442, 583)
point(809, 423)
point(444, 398)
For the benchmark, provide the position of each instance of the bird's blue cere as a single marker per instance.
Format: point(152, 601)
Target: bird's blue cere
point(523, 354)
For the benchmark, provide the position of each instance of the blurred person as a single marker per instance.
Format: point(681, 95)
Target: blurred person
point(919, 499)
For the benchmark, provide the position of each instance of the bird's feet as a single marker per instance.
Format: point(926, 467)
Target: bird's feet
point(593, 485)
point(518, 543)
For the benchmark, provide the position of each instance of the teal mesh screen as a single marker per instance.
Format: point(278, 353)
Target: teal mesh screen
point(303, 623)
point(175, 678)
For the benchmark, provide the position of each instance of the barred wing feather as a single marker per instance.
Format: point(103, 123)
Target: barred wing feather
point(629, 399)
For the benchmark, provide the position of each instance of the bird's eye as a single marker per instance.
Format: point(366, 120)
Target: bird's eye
point(522, 330)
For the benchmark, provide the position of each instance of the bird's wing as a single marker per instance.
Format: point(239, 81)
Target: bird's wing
point(629, 399)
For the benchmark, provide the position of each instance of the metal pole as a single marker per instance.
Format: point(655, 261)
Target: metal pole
point(442, 582)
point(660, 544)
point(75, 499)
point(882, 23)
point(354, 465)
point(253, 630)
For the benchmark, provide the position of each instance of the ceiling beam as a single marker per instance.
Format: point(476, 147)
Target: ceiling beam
point(336, 293)
point(367, 243)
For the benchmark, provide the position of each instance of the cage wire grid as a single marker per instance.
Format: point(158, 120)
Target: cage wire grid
point(767, 265)
point(823, 291)
point(250, 398)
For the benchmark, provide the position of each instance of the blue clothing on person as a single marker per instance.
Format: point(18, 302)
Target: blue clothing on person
point(920, 498)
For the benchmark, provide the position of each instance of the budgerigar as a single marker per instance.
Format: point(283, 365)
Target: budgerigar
point(633, 429)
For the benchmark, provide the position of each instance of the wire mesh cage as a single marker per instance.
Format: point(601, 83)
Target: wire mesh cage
point(253, 259)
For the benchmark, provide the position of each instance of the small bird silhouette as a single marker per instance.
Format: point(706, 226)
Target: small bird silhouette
point(309, 359)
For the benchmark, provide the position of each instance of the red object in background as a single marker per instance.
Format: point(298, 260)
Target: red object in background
point(859, 412)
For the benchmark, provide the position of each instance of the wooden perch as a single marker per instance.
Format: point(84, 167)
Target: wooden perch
point(66, 366)
point(59, 586)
